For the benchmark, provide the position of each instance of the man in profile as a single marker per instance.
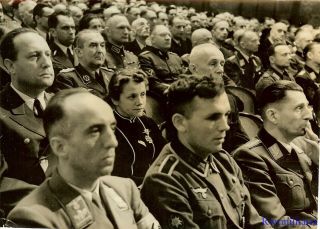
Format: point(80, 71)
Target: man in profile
point(81, 192)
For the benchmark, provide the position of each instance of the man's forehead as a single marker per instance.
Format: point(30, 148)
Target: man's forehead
point(63, 19)
point(281, 49)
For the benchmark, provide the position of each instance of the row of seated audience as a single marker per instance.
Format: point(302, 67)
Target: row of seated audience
point(204, 172)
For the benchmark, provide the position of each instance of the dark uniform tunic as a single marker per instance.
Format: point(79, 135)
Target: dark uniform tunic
point(309, 80)
point(271, 76)
point(139, 143)
point(183, 191)
point(283, 185)
point(243, 71)
point(163, 68)
point(79, 77)
point(118, 58)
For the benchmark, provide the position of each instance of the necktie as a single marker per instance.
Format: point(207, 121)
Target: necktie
point(250, 73)
point(70, 56)
point(37, 108)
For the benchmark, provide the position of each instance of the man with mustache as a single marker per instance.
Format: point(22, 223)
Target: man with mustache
point(280, 166)
point(89, 74)
point(81, 192)
point(194, 183)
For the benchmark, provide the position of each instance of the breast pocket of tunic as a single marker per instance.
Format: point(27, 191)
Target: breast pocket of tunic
point(207, 213)
point(290, 190)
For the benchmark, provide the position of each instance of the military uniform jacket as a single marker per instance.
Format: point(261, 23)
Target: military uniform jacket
point(55, 204)
point(118, 58)
point(271, 76)
point(22, 140)
point(309, 80)
point(139, 143)
point(79, 77)
point(163, 68)
point(282, 185)
point(183, 191)
point(239, 70)
point(59, 59)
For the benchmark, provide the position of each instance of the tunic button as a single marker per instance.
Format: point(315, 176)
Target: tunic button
point(209, 211)
point(221, 195)
point(26, 140)
point(242, 194)
point(233, 180)
point(291, 182)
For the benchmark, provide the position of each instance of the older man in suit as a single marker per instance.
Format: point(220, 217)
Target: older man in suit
point(81, 192)
point(27, 58)
point(281, 174)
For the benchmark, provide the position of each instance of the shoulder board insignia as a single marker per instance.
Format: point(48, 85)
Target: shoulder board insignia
point(107, 69)
point(122, 205)
point(275, 76)
point(275, 151)
point(252, 144)
point(67, 70)
point(242, 63)
point(231, 57)
point(313, 76)
point(302, 72)
point(168, 164)
point(145, 52)
point(79, 213)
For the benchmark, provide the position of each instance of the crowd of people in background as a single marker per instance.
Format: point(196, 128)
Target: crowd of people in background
point(122, 114)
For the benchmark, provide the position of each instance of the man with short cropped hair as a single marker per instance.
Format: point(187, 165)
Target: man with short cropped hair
point(89, 73)
point(81, 192)
point(280, 172)
point(194, 183)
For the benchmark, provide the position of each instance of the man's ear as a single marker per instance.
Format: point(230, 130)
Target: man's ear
point(272, 115)
point(115, 102)
point(179, 122)
point(271, 59)
point(192, 68)
point(53, 33)
point(58, 145)
point(78, 51)
point(9, 66)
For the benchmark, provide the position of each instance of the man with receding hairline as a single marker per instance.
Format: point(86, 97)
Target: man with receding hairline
point(244, 68)
point(89, 73)
point(81, 192)
point(116, 34)
point(141, 30)
point(162, 66)
point(201, 36)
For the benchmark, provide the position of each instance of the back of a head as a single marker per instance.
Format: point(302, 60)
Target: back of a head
point(55, 111)
point(197, 37)
point(274, 93)
point(201, 51)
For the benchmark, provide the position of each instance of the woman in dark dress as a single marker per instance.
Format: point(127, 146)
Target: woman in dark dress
point(139, 138)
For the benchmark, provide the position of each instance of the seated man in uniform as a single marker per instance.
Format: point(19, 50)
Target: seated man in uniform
point(81, 192)
point(194, 183)
point(281, 177)
point(89, 74)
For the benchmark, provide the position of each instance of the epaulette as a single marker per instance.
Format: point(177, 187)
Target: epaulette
point(145, 52)
point(253, 143)
point(301, 73)
point(107, 69)
point(173, 53)
point(67, 70)
point(168, 165)
point(231, 57)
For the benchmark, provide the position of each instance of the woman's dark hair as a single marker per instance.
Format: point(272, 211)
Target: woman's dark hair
point(121, 78)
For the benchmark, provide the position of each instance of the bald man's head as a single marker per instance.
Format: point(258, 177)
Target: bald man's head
point(206, 59)
point(117, 30)
point(201, 36)
point(278, 32)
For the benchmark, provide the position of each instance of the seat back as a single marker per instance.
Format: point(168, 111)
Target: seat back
point(154, 109)
point(247, 97)
point(250, 123)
